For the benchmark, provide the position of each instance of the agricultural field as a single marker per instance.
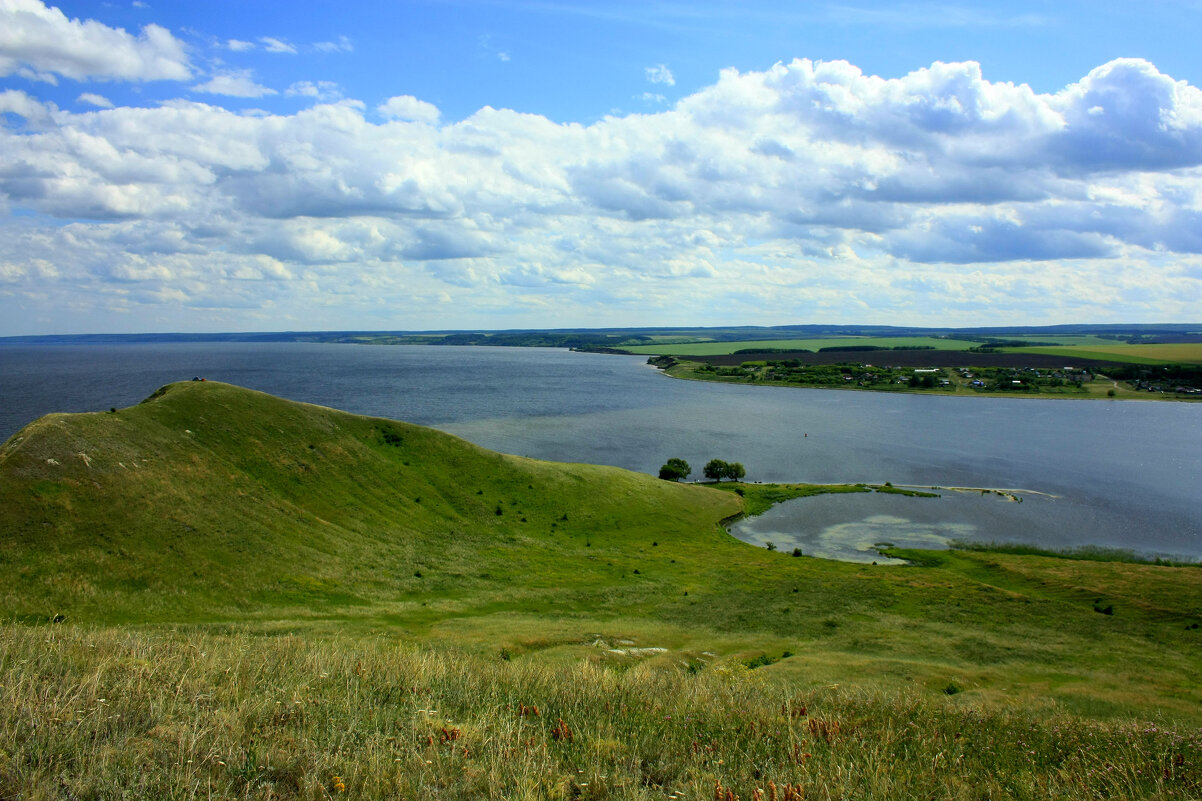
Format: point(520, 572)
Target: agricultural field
point(1175, 353)
point(1090, 348)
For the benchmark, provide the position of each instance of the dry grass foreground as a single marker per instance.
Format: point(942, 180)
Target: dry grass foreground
point(128, 714)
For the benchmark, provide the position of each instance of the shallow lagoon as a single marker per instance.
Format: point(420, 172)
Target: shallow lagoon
point(1125, 474)
point(850, 526)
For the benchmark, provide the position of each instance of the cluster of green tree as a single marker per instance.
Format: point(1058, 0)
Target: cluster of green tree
point(1170, 375)
point(675, 470)
point(715, 469)
point(1027, 379)
point(793, 371)
point(992, 345)
point(745, 370)
point(852, 348)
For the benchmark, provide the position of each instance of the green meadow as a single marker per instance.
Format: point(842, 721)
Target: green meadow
point(1082, 347)
point(1175, 353)
point(219, 593)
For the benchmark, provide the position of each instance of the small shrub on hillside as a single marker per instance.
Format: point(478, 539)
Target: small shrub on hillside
point(759, 661)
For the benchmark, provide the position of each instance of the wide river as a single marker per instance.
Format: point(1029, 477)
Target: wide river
point(1115, 474)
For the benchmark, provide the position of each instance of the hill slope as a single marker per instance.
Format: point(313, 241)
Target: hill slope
point(209, 501)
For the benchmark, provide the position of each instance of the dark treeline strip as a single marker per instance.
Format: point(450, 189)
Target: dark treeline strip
point(919, 358)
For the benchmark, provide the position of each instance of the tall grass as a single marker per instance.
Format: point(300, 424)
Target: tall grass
point(114, 713)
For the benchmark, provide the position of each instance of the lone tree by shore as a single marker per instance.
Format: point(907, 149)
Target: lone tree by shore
point(675, 470)
point(717, 470)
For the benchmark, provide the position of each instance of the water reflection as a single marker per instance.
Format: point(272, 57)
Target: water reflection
point(851, 527)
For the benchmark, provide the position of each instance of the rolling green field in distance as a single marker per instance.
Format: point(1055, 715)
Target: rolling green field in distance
point(1083, 347)
point(719, 348)
point(262, 598)
point(1175, 353)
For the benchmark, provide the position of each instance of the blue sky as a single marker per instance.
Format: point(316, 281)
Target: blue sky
point(416, 165)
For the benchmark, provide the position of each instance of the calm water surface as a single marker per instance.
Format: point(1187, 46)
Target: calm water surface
point(1123, 474)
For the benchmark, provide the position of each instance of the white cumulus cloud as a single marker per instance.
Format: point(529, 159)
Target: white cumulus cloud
point(93, 99)
point(237, 83)
point(325, 91)
point(409, 109)
point(39, 41)
point(810, 189)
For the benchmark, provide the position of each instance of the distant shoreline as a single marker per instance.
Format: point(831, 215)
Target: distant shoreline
point(1096, 389)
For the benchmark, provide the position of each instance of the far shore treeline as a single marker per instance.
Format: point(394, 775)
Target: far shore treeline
point(584, 338)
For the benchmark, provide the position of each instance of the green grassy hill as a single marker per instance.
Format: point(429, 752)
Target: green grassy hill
point(266, 599)
point(210, 502)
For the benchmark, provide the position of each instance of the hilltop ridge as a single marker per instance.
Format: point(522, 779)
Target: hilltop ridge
point(212, 500)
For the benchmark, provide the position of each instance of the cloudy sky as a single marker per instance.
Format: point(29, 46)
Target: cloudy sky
point(240, 166)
